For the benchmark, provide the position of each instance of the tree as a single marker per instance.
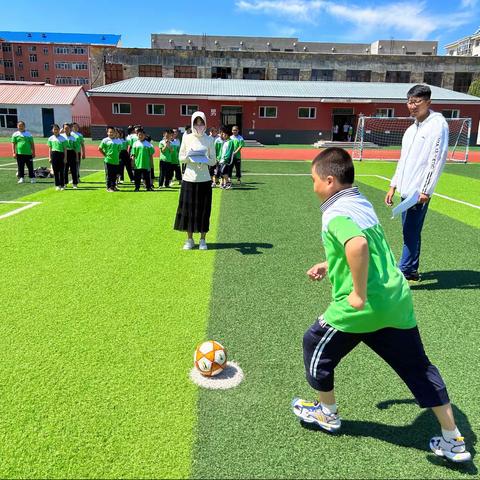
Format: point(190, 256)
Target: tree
point(475, 88)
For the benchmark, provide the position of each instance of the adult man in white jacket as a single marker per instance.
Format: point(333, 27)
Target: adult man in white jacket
point(423, 156)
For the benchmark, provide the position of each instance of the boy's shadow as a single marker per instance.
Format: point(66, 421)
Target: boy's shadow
point(245, 248)
point(414, 435)
point(448, 279)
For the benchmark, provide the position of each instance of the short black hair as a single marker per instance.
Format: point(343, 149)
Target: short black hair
point(110, 128)
point(225, 129)
point(21, 121)
point(55, 125)
point(130, 129)
point(420, 91)
point(69, 125)
point(140, 130)
point(336, 162)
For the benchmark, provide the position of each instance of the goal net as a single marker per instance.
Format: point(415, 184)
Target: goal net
point(380, 138)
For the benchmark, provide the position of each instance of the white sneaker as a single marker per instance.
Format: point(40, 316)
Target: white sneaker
point(75, 187)
point(189, 244)
point(202, 245)
point(32, 180)
point(453, 450)
point(312, 412)
point(21, 180)
point(57, 189)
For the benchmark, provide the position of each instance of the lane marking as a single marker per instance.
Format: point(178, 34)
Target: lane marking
point(14, 163)
point(26, 206)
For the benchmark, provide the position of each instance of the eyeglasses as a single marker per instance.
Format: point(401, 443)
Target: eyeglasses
point(415, 102)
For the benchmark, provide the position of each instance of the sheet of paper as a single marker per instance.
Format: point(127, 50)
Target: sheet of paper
point(406, 204)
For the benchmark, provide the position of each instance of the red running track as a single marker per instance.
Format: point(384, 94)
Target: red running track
point(263, 153)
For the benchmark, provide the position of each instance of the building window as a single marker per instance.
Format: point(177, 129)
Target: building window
point(7, 47)
point(47, 80)
point(359, 75)
point(155, 109)
point(113, 72)
point(307, 112)
point(8, 117)
point(322, 75)
point(22, 79)
point(7, 63)
point(397, 76)
point(253, 73)
point(32, 48)
point(433, 78)
point(288, 74)
point(19, 50)
point(63, 65)
point(20, 65)
point(61, 50)
point(9, 78)
point(462, 81)
point(149, 70)
point(45, 51)
point(46, 67)
point(80, 81)
point(121, 108)
point(185, 71)
point(221, 72)
point(385, 112)
point(267, 112)
point(79, 66)
point(34, 73)
point(32, 57)
point(63, 80)
point(187, 110)
point(79, 51)
point(451, 113)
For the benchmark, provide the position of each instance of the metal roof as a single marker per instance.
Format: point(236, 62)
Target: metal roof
point(328, 91)
point(48, 37)
point(15, 94)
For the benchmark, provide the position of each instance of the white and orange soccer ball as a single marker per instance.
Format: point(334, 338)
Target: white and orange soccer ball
point(210, 358)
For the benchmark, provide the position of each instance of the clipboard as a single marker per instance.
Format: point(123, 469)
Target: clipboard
point(405, 204)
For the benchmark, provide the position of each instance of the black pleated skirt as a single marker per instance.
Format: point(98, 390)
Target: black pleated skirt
point(194, 207)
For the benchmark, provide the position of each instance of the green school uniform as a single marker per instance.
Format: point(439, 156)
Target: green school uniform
point(168, 154)
point(238, 141)
point(70, 141)
point(142, 153)
point(111, 148)
point(78, 141)
point(56, 144)
point(23, 142)
point(218, 148)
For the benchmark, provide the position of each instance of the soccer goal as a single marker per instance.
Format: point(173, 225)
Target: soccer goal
point(380, 138)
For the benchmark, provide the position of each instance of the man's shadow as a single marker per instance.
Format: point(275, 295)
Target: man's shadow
point(448, 279)
point(245, 248)
point(415, 435)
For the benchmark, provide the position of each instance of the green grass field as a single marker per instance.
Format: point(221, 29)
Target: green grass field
point(102, 310)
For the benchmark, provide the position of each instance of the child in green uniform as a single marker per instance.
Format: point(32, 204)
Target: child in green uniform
point(80, 146)
point(23, 148)
point(372, 303)
point(215, 172)
point(110, 148)
point(175, 143)
point(56, 153)
point(238, 143)
point(226, 158)
point(71, 154)
point(125, 161)
point(142, 154)
point(166, 159)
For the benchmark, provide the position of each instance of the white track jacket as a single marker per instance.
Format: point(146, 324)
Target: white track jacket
point(424, 153)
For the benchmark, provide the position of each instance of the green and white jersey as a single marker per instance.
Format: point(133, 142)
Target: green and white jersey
point(142, 153)
point(78, 141)
point(218, 147)
point(56, 144)
point(124, 143)
point(226, 155)
point(176, 149)
point(346, 215)
point(238, 141)
point(168, 155)
point(70, 139)
point(131, 139)
point(111, 148)
point(23, 142)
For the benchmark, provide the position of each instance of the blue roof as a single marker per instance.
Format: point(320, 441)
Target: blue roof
point(48, 37)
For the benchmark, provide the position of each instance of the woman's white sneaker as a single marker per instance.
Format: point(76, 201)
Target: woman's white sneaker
point(202, 245)
point(453, 450)
point(189, 244)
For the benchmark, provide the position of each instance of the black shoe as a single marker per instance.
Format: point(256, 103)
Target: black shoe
point(413, 277)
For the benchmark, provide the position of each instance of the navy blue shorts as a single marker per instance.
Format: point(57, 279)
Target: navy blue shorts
point(324, 346)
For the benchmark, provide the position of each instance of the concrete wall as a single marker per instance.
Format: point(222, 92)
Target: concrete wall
point(32, 116)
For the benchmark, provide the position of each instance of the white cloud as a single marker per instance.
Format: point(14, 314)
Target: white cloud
point(174, 31)
point(411, 19)
point(281, 30)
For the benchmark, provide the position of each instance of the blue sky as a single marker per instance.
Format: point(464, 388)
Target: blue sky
point(310, 20)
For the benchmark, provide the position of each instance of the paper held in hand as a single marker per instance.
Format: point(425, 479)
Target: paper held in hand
point(198, 156)
point(406, 204)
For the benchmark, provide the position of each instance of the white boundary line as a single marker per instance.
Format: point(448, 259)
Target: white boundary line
point(26, 206)
point(14, 163)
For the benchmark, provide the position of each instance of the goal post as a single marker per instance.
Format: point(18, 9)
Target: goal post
point(380, 138)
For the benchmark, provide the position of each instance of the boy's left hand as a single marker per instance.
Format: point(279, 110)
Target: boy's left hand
point(356, 301)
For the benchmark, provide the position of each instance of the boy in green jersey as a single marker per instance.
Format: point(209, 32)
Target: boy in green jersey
point(23, 148)
point(224, 170)
point(175, 143)
point(238, 144)
point(167, 154)
point(371, 303)
point(110, 148)
point(56, 153)
point(142, 154)
point(71, 154)
point(79, 147)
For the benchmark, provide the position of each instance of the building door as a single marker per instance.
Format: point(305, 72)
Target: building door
point(48, 118)
point(232, 116)
point(342, 118)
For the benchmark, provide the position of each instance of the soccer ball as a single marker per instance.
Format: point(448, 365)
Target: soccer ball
point(210, 358)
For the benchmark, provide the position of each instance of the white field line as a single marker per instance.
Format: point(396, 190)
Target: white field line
point(26, 205)
point(361, 175)
point(14, 163)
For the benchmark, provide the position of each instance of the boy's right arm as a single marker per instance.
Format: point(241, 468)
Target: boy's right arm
point(357, 253)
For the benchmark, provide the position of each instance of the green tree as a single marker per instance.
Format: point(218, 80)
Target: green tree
point(475, 88)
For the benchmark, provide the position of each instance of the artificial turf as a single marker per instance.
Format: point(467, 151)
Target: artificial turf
point(102, 311)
